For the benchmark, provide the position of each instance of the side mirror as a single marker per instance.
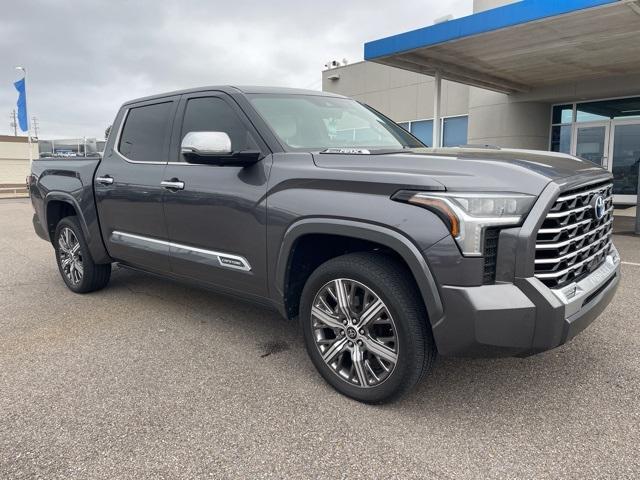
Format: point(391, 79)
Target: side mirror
point(206, 144)
point(215, 148)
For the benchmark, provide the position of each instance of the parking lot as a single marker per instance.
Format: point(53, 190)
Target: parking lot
point(149, 378)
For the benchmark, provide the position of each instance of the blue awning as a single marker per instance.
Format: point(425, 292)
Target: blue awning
point(518, 46)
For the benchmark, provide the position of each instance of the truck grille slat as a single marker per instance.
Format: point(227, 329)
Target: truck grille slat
point(571, 196)
point(547, 246)
point(572, 242)
point(606, 248)
point(569, 212)
point(566, 227)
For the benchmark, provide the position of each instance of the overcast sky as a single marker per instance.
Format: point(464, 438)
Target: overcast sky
point(85, 58)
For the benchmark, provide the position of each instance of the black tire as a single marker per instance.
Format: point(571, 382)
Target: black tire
point(94, 276)
point(391, 281)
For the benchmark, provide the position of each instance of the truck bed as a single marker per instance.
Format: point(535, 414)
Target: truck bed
point(56, 182)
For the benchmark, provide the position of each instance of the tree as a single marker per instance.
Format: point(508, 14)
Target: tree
point(106, 132)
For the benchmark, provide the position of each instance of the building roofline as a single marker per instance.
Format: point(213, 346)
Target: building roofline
point(510, 15)
point(13, 139)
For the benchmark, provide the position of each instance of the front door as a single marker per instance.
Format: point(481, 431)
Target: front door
point(128, 186)
point(216, 220)
point(625, 158)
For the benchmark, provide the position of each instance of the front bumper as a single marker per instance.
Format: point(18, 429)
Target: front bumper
point(524, 317)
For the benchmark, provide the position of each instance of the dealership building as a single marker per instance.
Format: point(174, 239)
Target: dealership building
point(14, 161)
point(536, 74)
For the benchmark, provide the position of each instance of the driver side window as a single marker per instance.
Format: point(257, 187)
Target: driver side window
point(212, 114)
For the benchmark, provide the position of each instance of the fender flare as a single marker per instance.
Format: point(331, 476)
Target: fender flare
point(91, 231)
point(66, 198)
point(388, 237)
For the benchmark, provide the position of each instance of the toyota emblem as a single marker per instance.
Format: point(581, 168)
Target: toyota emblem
point(599, 207)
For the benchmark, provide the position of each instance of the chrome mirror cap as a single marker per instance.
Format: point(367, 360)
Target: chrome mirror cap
point(206, 143)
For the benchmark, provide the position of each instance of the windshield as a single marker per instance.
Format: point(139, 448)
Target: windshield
point(315, 122)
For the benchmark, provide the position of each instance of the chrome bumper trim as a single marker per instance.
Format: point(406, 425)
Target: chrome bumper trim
point(574, 295)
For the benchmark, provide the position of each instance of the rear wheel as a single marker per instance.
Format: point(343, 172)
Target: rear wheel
point(75, 264)
point(365, 327)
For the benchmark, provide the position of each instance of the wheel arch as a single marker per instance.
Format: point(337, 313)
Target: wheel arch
point(374, 234)
point(59, 205)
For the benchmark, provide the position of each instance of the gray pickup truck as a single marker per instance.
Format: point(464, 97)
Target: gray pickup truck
point(322, 208)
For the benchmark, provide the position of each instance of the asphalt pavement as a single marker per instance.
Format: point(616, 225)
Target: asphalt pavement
point(153, 379)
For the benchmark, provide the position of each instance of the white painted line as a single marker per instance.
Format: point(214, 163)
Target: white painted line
point(631, 263)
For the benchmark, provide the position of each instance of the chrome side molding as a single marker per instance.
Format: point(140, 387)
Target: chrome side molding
point(186, 252)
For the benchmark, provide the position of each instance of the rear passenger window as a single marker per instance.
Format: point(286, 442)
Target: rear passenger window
point(212, 114)
point(144, 133)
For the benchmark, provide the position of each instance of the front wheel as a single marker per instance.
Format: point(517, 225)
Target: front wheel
point(365, 327)
point(75, 263)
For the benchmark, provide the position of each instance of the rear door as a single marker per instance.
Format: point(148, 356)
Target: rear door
point(217, 223)
point(128, 186)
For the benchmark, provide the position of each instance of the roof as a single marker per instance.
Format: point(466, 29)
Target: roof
point(13, 139)
point(284, 91)
point(522, 45)
point(230, 89)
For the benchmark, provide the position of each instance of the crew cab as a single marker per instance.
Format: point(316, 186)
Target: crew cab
point(385, 251)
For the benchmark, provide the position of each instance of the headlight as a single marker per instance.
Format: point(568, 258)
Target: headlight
point(468, 214)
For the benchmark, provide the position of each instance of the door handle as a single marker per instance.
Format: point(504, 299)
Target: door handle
point(106, 180)
point(173, 184)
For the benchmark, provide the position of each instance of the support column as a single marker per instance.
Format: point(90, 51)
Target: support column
point(437, 97)
point(638, 205)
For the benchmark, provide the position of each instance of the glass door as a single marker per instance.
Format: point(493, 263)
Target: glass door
point(625, 159)
point(591, 142)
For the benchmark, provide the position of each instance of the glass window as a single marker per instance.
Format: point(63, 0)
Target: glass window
point(590, 143)
point(213, 114)
point(608, 109)
point(626, 159)
point(454, 131)
point(561, 139)
point(423, 130)
point(562, 114)
point(589, 114)
point(144, 133)
point(405, 125)
point(317, 122)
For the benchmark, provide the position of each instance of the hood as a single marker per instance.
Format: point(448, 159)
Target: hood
point(469, 169)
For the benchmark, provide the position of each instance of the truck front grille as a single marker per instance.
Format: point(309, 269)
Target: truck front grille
point(572, 242)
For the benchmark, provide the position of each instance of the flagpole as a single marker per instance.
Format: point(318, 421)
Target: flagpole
point(24, 71)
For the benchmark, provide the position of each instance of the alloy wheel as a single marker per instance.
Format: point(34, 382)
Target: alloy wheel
point(354, 332)
point(70, 256)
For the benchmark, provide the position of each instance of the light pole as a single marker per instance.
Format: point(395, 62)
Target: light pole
point(24, 73)
point(14, 122)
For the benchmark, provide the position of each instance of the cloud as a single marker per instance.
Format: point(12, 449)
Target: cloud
point(85, 58)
